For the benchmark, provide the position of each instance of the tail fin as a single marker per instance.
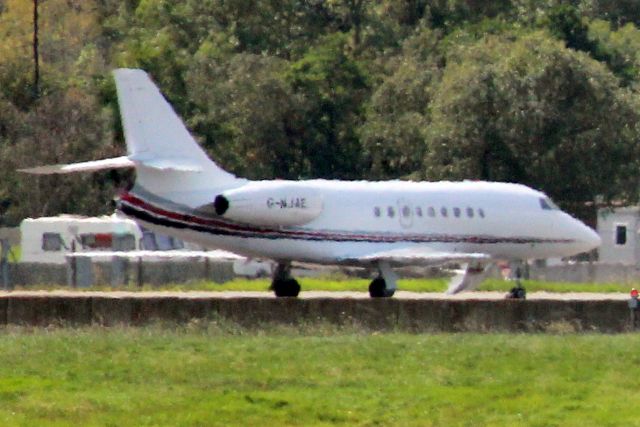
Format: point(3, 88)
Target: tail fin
point(167, 157)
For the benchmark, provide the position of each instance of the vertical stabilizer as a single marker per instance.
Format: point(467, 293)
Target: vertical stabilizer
point(168, 159)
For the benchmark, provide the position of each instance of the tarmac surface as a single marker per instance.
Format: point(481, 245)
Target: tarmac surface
point(402, 295)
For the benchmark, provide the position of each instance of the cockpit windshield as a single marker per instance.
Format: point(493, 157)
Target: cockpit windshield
point(548, 205)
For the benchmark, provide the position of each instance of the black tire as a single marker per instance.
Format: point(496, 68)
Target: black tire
point(378, 289)
point(286, 288)
point(517, 293)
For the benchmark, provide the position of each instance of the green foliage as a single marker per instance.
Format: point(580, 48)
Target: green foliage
point(332, 87)
point(555, 287)
point(618, 48)
point(338, 283)
point(565, 23)
point(247, 114)
point(337, 89)
point(524, 111)
point(69, 126)
point(618, 13)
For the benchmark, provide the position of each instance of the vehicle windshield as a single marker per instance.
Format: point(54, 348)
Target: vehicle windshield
point(548, 205)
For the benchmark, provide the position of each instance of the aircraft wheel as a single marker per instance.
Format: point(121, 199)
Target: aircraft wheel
point(517, 292)
point(286, 288)
point(378, 289)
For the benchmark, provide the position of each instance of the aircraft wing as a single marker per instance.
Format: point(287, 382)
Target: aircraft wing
point(416, 256)
point(471, 274)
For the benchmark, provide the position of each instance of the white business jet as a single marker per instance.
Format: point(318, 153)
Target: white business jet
point(180, 191)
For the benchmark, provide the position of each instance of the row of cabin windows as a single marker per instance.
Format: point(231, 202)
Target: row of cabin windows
point(53, 242)
point(431, 212)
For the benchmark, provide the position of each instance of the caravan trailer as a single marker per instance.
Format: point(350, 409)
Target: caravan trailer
point(49, 239)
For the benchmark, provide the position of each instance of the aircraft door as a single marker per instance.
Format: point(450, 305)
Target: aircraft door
point(405, 213)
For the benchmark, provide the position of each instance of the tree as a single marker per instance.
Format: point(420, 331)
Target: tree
point(619, 49)
point(65, 127)
point(393, 135)
point(618, 13)
point(247, 115)
point(332, 88)
point(564, 22)
point(535, 112)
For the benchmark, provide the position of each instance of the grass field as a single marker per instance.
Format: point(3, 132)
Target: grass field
point(212, 374)
point(344, 283)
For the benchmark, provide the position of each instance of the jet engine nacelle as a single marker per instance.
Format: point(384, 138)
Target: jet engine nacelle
point(270, 203)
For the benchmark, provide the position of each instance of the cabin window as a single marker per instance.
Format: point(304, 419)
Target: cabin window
point(148, 241)
point(124, 242)
point(377, 212)
point(621, 235)
point(444, 212)
point(391, 212)
point(481, 212)
point(456, 212)
point(96, 241)
point(406, 211)
point(167, 243)
point(419, 211)
point(159, 242)
point(470, 212)
point(431, 212)
point(52, 242)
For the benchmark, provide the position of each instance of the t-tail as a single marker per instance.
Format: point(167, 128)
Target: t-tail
point(167, 159)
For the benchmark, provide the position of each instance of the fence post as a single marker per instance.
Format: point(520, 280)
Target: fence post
point(4, 264)
point(140, 272)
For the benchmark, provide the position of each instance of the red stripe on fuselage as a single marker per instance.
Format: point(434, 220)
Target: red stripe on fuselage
point(250, 231)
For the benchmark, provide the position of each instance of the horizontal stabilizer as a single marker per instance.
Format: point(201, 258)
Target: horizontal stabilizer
point(92, 166)
point(181, 165)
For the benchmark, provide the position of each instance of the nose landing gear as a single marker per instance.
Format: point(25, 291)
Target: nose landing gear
point(518, 291)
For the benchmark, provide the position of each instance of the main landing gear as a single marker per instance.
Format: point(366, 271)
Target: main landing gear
point(518, 291)
point(383, 286)
point(283, 285)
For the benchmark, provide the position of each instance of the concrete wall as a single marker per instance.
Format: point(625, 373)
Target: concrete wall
point(33, 274)
point(586, 273)
point(421, 315)
point(119, 273)
point(134, 273)
point(138, 272)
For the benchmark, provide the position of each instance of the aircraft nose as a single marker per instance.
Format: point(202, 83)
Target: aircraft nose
point(589, 238)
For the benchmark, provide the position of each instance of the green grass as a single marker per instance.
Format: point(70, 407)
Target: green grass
point(536, 286)
point(330, 283)
point(211, 374)
point(345, 283)
point(15, 254)
point(413, 285)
